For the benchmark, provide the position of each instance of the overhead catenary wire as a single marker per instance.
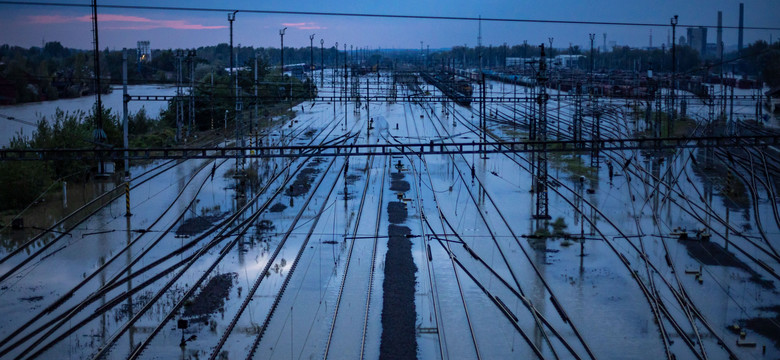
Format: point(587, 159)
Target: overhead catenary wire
point(374, 15)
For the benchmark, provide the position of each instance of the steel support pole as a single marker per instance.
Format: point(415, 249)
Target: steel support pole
point(125, 129)
point(670, 120)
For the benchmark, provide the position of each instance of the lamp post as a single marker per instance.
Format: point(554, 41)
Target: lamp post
point(231, 18)
point(590, 80)
point(311, 52)
point(322, 63)
point(281, 34)
point(256, 114)
point(311, 63)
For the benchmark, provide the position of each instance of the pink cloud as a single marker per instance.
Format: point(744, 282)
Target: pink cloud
point(49, 19)
point(304, 26)
point(141, 23)
point(114, 17)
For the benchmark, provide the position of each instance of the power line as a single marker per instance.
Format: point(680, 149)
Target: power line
point(343, 150)
point(391, 16)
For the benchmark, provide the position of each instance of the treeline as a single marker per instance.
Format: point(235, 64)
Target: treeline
point(24, 181)
point(624, 58)
point(214, 92)
point(759, 60)
point(52, 72)
point(46, 73)
point(214, 96)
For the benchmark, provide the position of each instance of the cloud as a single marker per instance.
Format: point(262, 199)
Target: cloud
point(124, 22)
point(50, 19)
point(304, 26)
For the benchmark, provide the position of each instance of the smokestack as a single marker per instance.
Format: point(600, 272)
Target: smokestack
point(651, 38)
point(720, 34)
point(741, 25)
point(605, 42)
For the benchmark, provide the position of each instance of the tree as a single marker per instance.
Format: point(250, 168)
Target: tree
point(769, 63)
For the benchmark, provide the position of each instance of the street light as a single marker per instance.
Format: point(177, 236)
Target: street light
point(590, 80)
point(281, 34)
point(311, 62)
point(322, 63)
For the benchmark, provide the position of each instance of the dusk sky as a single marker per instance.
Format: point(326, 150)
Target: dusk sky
point(30, 25)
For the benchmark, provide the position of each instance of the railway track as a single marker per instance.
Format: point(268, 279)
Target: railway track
point(653, 300)
point(146, 283)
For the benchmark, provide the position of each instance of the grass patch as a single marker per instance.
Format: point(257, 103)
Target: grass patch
point(572, 164)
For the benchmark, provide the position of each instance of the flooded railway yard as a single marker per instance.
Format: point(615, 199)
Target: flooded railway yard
point(646, 253)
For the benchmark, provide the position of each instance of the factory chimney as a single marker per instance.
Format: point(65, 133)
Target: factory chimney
point(651, 39)
point(741, 25)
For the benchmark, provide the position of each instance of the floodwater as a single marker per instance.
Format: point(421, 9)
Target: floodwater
point(308, 251)
point(30, 113)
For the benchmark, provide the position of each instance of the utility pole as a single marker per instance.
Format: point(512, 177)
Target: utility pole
point(256, 113)
point(212, 102)
point(674, 75)
point(505, 52)
point(335, 71)
point(179, 103)
point(592, 59)
point(191, 58)
point(231, 18)
point(422, 55)
point(525, 51)
point(322, 63)
point(281, 34)
point(239, 121)
point(482, 107)
point(594, 155)
point(541, 159)
point(125, 129)
point(99, 135)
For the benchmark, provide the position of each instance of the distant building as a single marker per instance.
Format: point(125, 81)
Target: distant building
point(697, 39)
point(567, 61)
point(144, 51)
point(517, 61)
